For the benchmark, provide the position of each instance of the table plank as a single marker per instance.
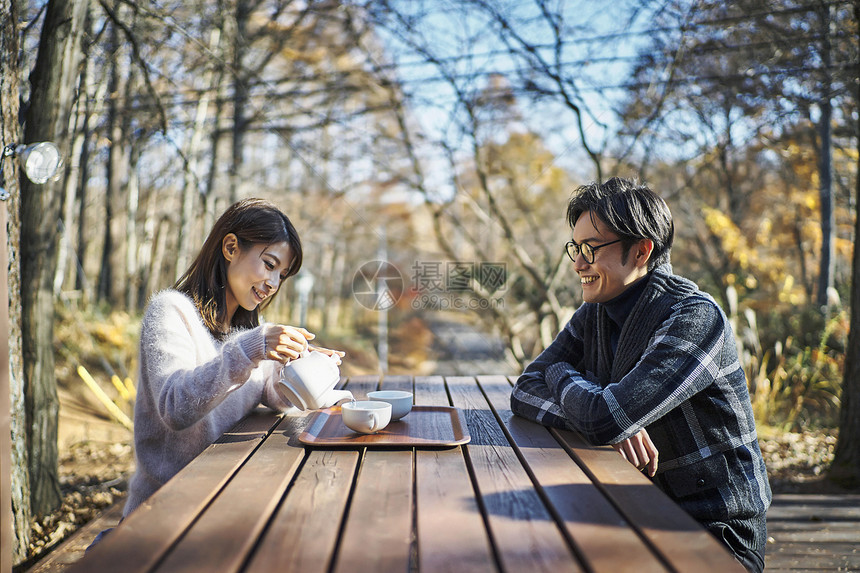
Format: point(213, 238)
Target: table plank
point(397, 382)
point(227, 530)
point(143, 538)
point(361, 385)
point(378, 531)
point(680, 539)
point(430, 391)
point(524, 534)
point(303, 534)
point(452, 537)
point(603, 537)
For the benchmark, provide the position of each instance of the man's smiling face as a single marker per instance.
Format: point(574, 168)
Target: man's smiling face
point(612, 272)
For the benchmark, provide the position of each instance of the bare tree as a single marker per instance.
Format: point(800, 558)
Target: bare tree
point(497, 207)
point(846, 460)
point(15, 499)
point(53, 80)
point(730, 77)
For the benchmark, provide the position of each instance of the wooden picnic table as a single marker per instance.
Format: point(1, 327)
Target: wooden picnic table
point(517, 497)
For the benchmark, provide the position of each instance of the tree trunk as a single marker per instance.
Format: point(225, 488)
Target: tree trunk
point(845, 469)
point(92, 102)
point(132, 279)
point(53, 80)
point(112, 284)
point(240, 99)
point(65, 258)
point(828, 216)
point(15, 490)
point(190, 190)
point(144, 259)
point(846, 460)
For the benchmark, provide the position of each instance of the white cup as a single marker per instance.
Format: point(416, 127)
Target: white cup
point(308, 382)
point(401, 402)
point(366, 416)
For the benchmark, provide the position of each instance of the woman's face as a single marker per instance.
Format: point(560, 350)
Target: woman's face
point(253, 274)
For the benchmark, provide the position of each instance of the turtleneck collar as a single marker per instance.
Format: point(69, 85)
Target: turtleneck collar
point(618, 309)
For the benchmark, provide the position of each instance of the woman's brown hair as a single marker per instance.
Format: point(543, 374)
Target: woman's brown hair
point(253, 221)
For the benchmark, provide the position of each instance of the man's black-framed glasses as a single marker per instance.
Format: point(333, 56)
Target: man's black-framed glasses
point(586, 250)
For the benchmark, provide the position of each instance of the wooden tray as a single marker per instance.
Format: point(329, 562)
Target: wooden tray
point(423, 426)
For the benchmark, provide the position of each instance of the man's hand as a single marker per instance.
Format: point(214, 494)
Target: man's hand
point(640, 451)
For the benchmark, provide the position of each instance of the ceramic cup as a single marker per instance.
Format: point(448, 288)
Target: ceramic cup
point(401, 402)
point(308, 382)
point(366, 416)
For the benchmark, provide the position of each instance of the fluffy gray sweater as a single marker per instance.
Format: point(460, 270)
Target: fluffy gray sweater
point(191, 388)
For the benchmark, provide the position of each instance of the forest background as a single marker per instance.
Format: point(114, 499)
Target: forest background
point(442, 138)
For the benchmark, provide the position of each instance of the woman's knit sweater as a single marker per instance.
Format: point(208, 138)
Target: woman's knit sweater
point(191, 388)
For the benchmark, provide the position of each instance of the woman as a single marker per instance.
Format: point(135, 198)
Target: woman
point(205, 359)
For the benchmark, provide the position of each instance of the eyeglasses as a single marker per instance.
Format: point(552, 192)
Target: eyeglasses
point(586, 250)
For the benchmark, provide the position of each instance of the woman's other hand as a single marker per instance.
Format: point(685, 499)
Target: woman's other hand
point(284, 343)
point(336, 354)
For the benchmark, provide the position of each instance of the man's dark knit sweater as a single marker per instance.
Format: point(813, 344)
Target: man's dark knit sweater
point(673, 370)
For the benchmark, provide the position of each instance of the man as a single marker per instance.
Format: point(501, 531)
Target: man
point(649, 364)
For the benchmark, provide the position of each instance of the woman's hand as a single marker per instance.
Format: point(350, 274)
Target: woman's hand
point(336, 354)
point(640, 451)
point(285, 343)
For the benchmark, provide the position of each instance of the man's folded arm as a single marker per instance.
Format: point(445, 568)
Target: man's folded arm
point(680, 361)
point(534, 399)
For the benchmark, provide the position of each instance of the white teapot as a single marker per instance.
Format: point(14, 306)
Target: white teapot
point(308, 382)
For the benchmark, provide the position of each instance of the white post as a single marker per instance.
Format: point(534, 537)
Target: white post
point(304, 285)
point(381, 290)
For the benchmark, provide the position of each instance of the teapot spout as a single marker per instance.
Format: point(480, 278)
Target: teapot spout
point(336, 396)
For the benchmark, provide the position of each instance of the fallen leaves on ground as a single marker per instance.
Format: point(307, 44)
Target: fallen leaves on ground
point(92, 477)
point(798, 460)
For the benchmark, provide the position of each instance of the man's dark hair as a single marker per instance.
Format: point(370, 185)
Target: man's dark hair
point(630, 210)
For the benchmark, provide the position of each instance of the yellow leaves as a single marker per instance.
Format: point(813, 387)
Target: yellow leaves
point(760, 263)
point(789, 293)
point(114, 331)
point(95, 340)
point(765, 230)
point(844, 247)
point(734, 243)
